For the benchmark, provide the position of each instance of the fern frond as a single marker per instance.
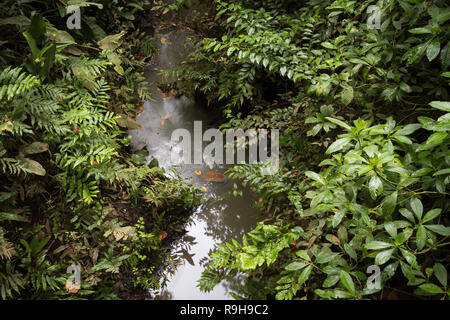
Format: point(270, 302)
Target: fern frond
point(14, 82)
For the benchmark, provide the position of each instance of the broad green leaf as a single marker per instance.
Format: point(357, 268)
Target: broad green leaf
point(383, 256)
point(347, 281)
point(304, 275)
point(303, 254)
point(339, 123)
point(376, 245)
point(420, 30)
point(421, 237)
point(408, 129)
point(433, 50)
point(441, 273)
point(441, 105)
point(296, 265)
point(347, 95)
point(430, 215)
point(12, 217)
point(407, 214)
point(391, 229)
point(431, 288)
point(331, 280)
point(389, 204)
point(439, 229)
point(375, 187)
point(316, 177)
point(337, 145)
point(417, 207)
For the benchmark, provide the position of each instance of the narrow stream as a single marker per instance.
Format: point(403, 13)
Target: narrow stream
point(217, 220)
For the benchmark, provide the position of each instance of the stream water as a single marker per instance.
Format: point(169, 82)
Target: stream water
point(217, 220)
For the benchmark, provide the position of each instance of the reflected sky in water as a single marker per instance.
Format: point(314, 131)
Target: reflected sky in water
point(220, 218)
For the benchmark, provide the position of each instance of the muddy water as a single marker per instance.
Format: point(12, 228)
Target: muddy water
point(220, 218)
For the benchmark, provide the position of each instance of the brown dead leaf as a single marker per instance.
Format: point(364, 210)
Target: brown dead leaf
point(336, 240)
point(213, 176)
point(72, 287)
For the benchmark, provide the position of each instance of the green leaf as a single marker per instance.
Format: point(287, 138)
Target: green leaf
point(435, 138)
point(347, 281)
point(430, 215)
point(375, 187)
point(303, 254)
point(391, 229)
point(331, 280)
point(316, 177)
point(408, 129)
point(337, 145)
point(339, 123)
point(376, 245)
point(423, 30)
point(12, 217)
point(441, 273)
point(417, 207)
point(389, 204)
point(296, 265)
point(304, 275)
point(431, 288)
point(433, 50)
point(407, 214)
point(383, 256)
point(441, 105)
point(421, 237)
point(347, 95)
point(439, 229)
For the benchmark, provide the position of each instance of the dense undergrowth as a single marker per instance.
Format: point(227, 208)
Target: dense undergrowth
point(364, 117)
point(72, 191)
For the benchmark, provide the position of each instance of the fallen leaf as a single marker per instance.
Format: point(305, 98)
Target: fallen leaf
point(197, 172)
point(72, 287)
point(164, 40)
point(163, 123)
point(213, 176)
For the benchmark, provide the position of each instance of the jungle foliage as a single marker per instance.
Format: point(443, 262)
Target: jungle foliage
point(364, 115)
point(69, 180)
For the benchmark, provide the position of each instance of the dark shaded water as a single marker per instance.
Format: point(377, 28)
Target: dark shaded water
point(220, 218)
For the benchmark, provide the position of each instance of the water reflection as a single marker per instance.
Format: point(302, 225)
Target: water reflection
point(220, 218)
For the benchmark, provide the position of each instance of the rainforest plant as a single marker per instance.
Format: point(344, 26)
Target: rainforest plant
point(363, 114)
point(66, 167)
